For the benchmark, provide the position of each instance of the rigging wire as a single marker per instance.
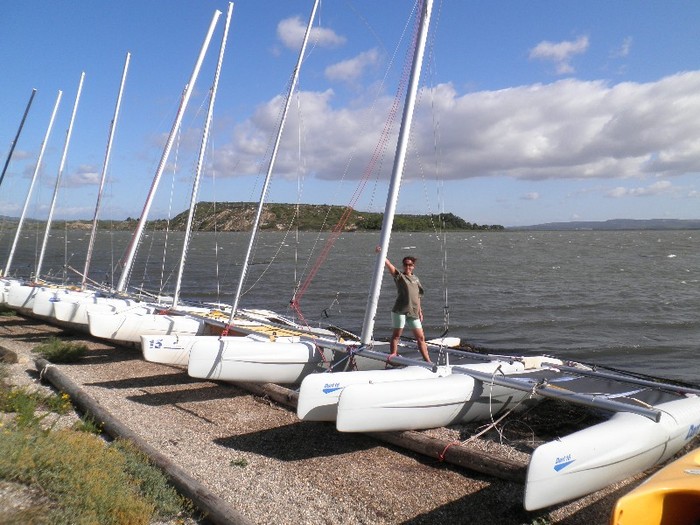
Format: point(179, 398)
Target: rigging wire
point(377, 156)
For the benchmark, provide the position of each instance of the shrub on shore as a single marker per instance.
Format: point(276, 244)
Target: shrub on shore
point(57, 351)
point(78, 476)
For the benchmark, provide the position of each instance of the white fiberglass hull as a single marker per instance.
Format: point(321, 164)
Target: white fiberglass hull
point(21, 296)
point(174, 349)
point(4, 283)
point(167, 350)
point(75, 309)
point(130, 325)
point(595, 457)
point(319, 393)
point(243, 359)
point(45, 299)
point(427, 403)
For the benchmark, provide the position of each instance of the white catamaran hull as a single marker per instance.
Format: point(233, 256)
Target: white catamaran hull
point(45, 299)
point(175, 349)
point(21, 296)
point(427, 403)
point(130, 325)
point(167, 350)
point(595, 457)
point(74, 309)
point(4, 283)
point(243, 359)
point(319, 393)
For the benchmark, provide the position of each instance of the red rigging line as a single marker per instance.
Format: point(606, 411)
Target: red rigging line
point(295, 302)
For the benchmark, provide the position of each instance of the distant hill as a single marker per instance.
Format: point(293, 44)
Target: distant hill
point(616, 224)
point(239, 217)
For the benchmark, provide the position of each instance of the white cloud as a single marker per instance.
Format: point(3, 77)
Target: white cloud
point(291, 32)
point(352, 69)
point(656, 188)
point(624, 49)
point(569, 129)
point(83, 176)
point(560, 53)
point(532, 196)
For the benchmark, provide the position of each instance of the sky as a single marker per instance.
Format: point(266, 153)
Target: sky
point(528, 112)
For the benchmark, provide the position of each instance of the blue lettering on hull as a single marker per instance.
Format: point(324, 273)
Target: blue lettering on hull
point(332, 387)
point(563, 462)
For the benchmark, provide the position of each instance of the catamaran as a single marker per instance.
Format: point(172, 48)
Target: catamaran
point(651, 421)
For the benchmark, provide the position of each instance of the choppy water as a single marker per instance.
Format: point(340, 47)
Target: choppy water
point(624, 299)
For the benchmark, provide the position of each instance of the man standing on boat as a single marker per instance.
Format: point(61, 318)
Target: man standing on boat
point(407, 311)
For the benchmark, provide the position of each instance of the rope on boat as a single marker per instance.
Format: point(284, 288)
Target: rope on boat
point(493, 424)
point(377, 157)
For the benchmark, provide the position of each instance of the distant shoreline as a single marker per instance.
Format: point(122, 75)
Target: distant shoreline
point(613, 225)
point(236, 217)
point(239, 217)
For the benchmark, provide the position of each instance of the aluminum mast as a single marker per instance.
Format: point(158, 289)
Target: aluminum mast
point(263, 193)
point(112, 127)
point(200, 159)
point(37, 273)
point(14, 142)
point(8, 266)
point(136, 238)
point(397, 172)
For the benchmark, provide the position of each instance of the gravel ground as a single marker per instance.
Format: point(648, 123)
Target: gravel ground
point(271, 467)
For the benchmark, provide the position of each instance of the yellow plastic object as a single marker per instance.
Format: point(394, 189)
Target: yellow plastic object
point(669, 497)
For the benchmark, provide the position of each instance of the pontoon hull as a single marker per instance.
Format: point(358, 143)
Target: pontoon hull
point(242, 359)
point(131, 325)
point(319, 393)
point(427, 403)
point(595, 457)
point(21, 296)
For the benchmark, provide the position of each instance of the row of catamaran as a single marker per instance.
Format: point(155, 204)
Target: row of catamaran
point(350, 379)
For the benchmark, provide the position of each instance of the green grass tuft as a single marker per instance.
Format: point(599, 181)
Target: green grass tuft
point(88, 425)
point(152, 483)
point(58, 351)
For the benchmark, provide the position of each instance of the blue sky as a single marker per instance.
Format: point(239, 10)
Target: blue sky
point(529, 112)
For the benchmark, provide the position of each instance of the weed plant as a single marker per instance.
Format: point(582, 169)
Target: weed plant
point(89, 425)
point(80, 477)
point(57, 351)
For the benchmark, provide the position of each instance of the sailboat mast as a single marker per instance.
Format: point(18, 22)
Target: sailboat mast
point(37, 273)
point(263, 193)
point(397, 172)
point(14, 142)
point(103, 177)
point(136, 238)
point(8, 266)
point(200, 159)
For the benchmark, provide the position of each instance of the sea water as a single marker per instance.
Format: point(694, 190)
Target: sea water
point(625, 299)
